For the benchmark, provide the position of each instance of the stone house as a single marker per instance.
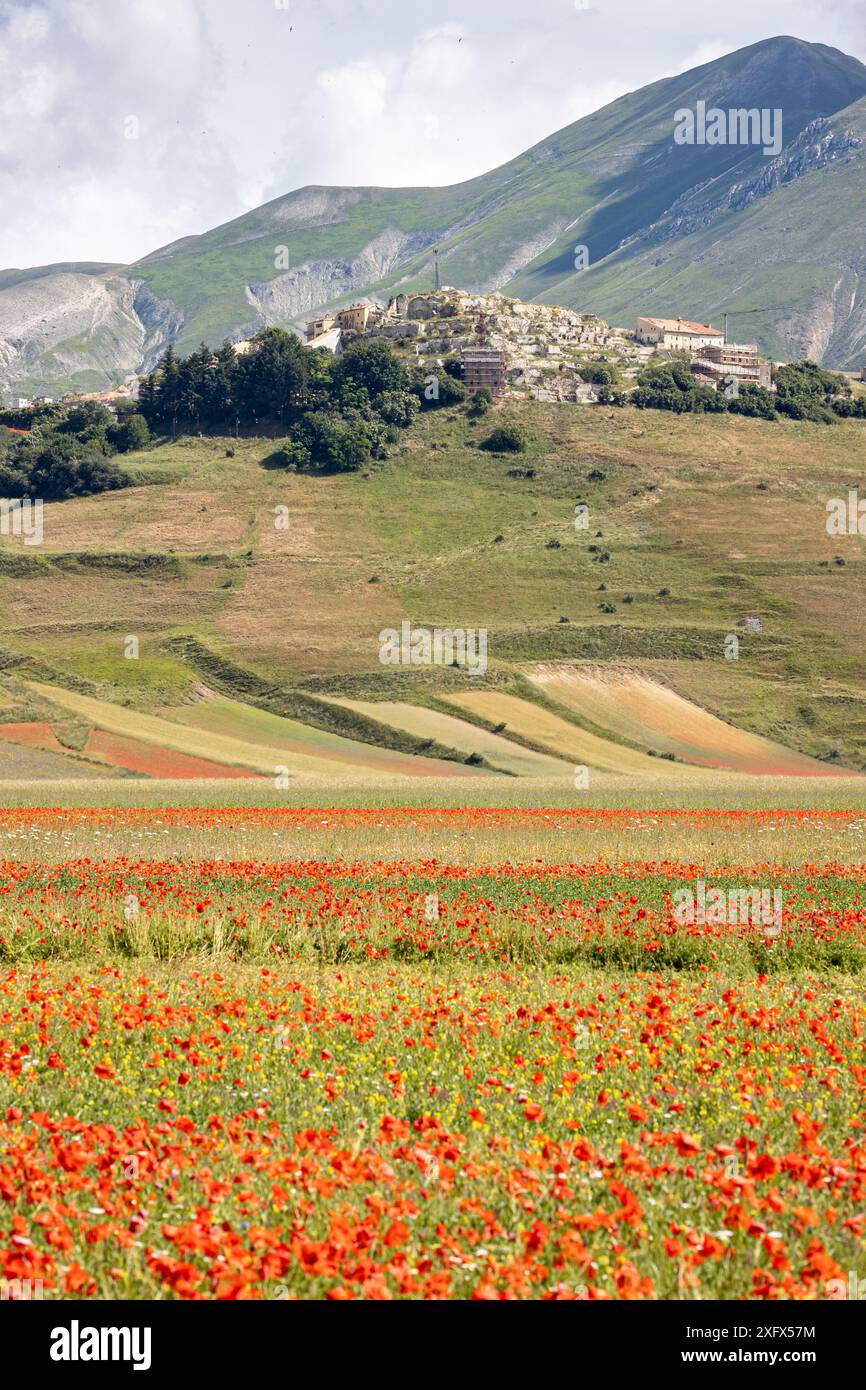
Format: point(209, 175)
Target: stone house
point(675, 334)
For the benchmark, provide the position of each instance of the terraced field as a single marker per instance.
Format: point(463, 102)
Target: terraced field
point(223, 738)
point(289, 739)
point(500, 753)
point(164, 737)
point(634, 706)
point(151, 760)
point(24, 764)
point(561, 738)
point(32, 734)
point(217, 737)
point(687, 516)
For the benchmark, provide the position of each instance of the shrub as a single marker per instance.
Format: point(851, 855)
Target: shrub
point(481, 402)
point(87, 419)
point(599, 373)
point(75, 471)
point(294, 455)
point(372, 365)
point(14, 479)
point(397, 407)
point(805, 391)
point(850, 407)
point(340, 443)
point(131, 435)
point(753, 400)
point(605, 396)
point(506, 439)
point(436, 388)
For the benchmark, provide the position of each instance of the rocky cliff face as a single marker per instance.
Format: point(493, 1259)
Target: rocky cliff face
point(298, 293)
point(160, 321)
point(816, 147)
point(819, 145)
point(76, 330)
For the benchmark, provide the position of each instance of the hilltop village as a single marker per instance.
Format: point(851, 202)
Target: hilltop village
point(519, 351)
point(535, 351)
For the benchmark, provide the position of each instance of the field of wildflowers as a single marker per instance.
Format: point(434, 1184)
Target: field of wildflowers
point(415, 1078)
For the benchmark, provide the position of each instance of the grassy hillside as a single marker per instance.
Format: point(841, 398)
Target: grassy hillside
point(695, 524)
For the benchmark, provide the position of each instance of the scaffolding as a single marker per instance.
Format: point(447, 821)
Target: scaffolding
point(483, 366)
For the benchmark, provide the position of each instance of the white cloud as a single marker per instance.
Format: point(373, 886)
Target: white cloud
point(706, 52)
point(241, 102)
point(73, 185)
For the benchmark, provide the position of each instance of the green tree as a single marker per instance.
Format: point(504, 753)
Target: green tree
point(599, 373)
point(168, 389)
point(397, 408)
point(753, 400)
point(295, 455)
point(435, 387)
point(370, 363)
point(132, 434)
point(274, 376)
point(63, 467)
point(220, 389)
point(336, 443)
point(87, 419)
point(805, 391)
point(147, 400)
point(481, 402)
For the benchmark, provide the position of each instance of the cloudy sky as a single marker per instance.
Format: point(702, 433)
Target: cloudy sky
point(125, 124)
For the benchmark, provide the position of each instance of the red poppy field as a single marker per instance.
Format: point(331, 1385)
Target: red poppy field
point(421, 1077)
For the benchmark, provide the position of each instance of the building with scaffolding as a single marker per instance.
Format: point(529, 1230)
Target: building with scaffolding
point(737, 360)
point(483, 366)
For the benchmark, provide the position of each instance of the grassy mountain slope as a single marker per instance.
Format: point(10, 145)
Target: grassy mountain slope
point(795, 253)
point(10, 278)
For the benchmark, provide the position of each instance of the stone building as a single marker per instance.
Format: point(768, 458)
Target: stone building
point(483, 366)
point(358, 317)
point(738, 360)
point(676, 334)
point(317, 327)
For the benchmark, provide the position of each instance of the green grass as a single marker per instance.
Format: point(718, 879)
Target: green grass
point(190, 562)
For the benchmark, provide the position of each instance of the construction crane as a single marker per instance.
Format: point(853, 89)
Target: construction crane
point(741, 313)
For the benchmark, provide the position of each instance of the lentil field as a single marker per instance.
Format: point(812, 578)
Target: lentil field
point(418, 1053)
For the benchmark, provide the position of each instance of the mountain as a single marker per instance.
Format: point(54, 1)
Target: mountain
point(669, 228)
